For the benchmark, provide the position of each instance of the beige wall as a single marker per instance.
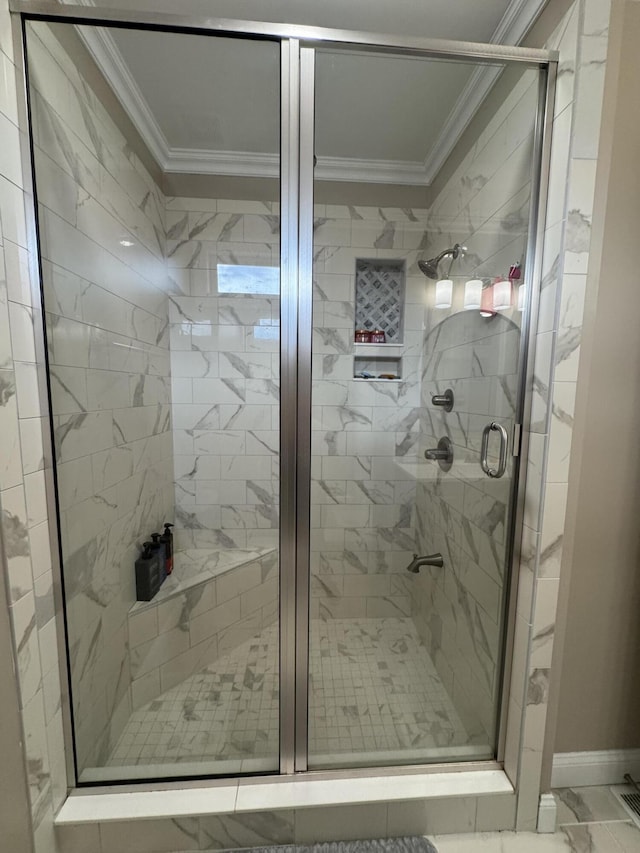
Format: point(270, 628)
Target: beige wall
point(599, 692)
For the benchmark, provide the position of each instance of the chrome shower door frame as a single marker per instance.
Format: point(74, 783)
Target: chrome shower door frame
point(296, 258)
point(533, 266)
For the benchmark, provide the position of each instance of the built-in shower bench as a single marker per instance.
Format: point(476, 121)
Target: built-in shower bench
point(213, 601)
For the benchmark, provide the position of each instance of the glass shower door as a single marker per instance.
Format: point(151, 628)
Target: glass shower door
point(418, 263)
point(332, 440)
point(160, 262)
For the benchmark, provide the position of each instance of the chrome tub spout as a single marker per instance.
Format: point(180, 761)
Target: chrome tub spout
point(429, 560)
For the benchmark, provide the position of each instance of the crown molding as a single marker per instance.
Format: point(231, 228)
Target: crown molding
point(515, 22)
point(519, 17)
point(202, 161)
point(109, 60)
point(259, 165)
point(469, 102)
point(407, 172)
point(238, 163)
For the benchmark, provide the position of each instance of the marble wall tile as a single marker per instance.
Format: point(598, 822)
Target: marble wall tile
point(34, 640)
point(36, 748)
point(156, 836)
point(490, 185)
point(13, 514)
point(422, 817)
point(14, 228)
point(8, 99)
point(343, 406)
point(27, 388)
point(565, 40)
point(340, 823)
point(16, 542)
point(31, 442)
point(5, 346)
point(596, 17)
point(591, 69)
point(108, 329)
point(10, 163)
point(247, 830)
point(12, 212)
point(178, 635)
point(21, 323)
point(24, 627)
point(552, 529)
point(559, 166)
point(17, 262)
point(496, 813)
point(40, 547)
point(541, 382)
point(571, 309)
point(562, 418)
point(582, 175)
point(527, 571)
point(79, 838)
point(10, 461)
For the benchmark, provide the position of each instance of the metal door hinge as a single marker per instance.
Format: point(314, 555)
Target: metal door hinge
point(517, 436)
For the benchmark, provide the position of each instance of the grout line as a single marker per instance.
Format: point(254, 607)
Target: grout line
point(592, 822)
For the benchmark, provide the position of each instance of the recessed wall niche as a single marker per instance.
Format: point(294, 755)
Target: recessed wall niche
point(380, 297)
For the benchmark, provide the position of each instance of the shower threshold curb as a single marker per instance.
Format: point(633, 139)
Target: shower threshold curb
point(248, 795)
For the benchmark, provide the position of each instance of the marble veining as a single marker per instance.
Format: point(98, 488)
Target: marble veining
point(458, 611)
point(108, 335)
point(416, 844)
point(195, 566)
point(16, 535)
point(91, 166)
point(373, 688)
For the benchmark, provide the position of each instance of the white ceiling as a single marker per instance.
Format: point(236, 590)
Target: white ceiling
point(200, 101)
point(465, 20)
point(383, 107)
point(207, 93)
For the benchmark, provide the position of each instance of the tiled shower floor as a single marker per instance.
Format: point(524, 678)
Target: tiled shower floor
point(374, 689)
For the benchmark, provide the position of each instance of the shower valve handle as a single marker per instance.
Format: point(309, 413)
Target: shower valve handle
point(442, 454)
point(434, 453)
point(445, 400)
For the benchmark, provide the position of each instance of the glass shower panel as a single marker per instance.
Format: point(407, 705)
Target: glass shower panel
point(420, 241)
point(156, 171)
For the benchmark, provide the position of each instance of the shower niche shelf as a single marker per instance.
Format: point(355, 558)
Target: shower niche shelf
point(380, 286)
point(383, 350)
point(376, 365)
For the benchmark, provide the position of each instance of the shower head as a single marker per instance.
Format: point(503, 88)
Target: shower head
point(430, 267)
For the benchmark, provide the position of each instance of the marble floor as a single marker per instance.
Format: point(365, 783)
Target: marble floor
point(373, 690)
point(590, 820)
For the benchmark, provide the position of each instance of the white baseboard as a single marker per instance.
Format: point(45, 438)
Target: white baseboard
point(604, 767)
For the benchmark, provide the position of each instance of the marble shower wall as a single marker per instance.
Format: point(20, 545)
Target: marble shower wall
point(225, 368)
point(364, 433)
point(582, 41)
point(108, 344)
point(485, 203)
point(24, 468)
point(463, 513)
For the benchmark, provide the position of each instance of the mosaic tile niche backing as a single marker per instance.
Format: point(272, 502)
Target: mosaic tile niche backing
point(379, 297)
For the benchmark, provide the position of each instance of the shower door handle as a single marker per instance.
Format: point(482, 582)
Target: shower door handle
point(484, 450)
